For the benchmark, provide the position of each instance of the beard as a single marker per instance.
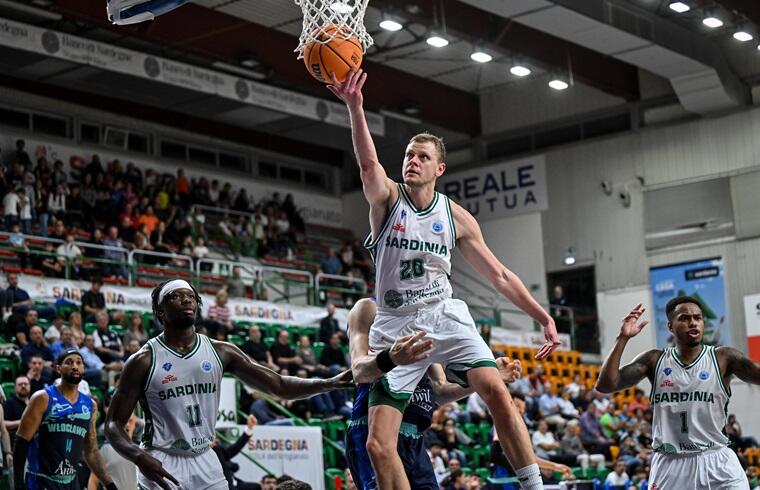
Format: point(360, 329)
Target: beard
point(72, 378)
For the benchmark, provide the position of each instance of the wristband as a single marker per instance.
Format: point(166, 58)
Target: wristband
point(384, 361)
point(112, 486)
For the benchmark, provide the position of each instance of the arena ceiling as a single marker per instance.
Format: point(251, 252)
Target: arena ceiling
point(587, 42)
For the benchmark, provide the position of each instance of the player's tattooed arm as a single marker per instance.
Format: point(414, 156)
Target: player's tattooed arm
point(265, 380)
point(92, 455)
point(613, 378)
point(737, 364)
point(130, 387)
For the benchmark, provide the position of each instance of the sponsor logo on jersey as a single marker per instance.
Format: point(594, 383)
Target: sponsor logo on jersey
point(703, 375)
point(667, 371)
point(64, 428)
point(206, 366)
point(437, 227)
point(399, 227)
point(393, 299)
point(421, 245)
point(689, 396)
point(666, 383)
point(186, 390)
point(167, 366)
point(403, 214)
point(168, 379)
point(65, 468)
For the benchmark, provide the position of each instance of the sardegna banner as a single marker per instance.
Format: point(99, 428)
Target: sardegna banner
point(500, 190)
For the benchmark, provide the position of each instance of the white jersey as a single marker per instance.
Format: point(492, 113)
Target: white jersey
point(181, 397)
point(689, 403)
point(412, 254)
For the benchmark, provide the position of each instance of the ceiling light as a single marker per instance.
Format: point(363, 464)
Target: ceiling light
point(519, 71)
point(743, 36)
point(437, 41)
point(679, 7)
point(712, 22)
point(341, 8)
point(569, 258)
point(390, 25)
point(481, 57)
point(558, 84)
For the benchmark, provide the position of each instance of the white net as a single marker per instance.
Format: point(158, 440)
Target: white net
point(325, 20)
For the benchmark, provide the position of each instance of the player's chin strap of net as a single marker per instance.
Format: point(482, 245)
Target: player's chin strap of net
point(325, 20)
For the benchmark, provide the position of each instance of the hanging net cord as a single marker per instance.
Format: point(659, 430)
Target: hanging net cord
point(321, 17)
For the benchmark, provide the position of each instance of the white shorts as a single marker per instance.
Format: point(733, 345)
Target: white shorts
point(196, 472)
point(710, 470)
point(456, 345)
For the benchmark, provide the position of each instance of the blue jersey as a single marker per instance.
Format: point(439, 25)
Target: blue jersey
point(57, 448)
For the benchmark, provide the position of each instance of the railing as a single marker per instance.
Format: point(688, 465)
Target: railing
point(337, 284)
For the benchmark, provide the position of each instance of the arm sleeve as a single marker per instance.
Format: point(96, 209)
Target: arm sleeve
point(233, 449)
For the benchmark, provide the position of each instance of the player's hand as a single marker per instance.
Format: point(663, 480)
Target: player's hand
point(630, 328)
point(9, 461)
point(349, 91)
point(251, 422)
point(509, 370)
point(566, 471)
point(409, 349)
point(152, 469)
point(342, 381)
point(552, 340)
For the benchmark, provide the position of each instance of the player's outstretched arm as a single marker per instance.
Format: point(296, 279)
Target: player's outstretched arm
point(745, 369)
point(92, 455)
point(130, 387)
point(405, 350)
point(445, 392)
point(30, 424)
point(264, 379)
point(476, 252)
point(378, 188)
point(613, 377)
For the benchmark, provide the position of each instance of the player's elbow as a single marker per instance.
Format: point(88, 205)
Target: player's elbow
point(361, 373)
point(604, 386)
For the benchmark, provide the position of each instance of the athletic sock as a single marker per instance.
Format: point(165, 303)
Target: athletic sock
point(530, 478)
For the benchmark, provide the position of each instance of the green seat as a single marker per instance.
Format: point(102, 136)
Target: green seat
point(8, 388)
point(483, 473)
point(117, 329)
point(10, 366)
point(268, 341)
point(44, 323)
point(602, 473)
point(330, 475)
point(578, 472)
point(467, 471)
point(471, 430)
point(89, 327)
point(485, 432)
point(318, 348)
point(238, 340)
point(472, 455)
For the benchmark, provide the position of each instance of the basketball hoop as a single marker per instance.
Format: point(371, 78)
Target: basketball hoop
point(321, 17)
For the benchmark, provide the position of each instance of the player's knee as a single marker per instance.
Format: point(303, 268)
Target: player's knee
point(493, 393)
point(379, 449)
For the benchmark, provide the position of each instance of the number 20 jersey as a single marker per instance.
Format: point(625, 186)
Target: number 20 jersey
point(412, 254)
point(181, 397)
point(689, 403)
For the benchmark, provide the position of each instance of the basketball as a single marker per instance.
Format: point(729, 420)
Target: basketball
point(338, 56)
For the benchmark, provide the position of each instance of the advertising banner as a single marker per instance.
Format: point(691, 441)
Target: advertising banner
point(226, 418)
point(752, 320)
point(512, 338)
point(703, 280)
point(296, 451)
point(500, 190)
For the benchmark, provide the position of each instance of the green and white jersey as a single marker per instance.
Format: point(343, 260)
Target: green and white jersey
point(181, 397)
point(412, 254)
point(689, 404)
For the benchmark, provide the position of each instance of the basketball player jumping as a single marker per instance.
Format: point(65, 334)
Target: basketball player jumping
point(177, 379)
point(691, 387)
point(413, 232)
point(56, 430)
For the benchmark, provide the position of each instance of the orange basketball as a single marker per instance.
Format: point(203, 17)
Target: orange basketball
point(338, 56)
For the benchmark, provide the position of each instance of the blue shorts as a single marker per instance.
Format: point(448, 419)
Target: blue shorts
point(413, 455)
point(38, 483)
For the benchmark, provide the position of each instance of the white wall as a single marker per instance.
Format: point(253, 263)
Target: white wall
point(744, 402)
point(356, 213)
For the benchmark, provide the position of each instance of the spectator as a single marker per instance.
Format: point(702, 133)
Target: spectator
point(283, 354)
point(200, 251)
point(453, 438)
point(333, 356)
point(107, 344)
point(574, 388)
point(116, 267)
point(308, 358)
point(23, 329)
point(348, 478)
point(256, 349)
point(734, 432)
point(75, 324)
point(476, 409)
point(56, 203)
point(591, 432)
point(93, 362)
point(225, 453)
point(25, 211)
point(455, 480)
point(20, 245)
point(131, 348)
point(610, 421)
point(235, 285)
point(93, 301)
point(11, 207)
point(15, 405)
point(36, 347)
point(21, 156)
point(66, 341)
point(39, 376)
point(618, 478)
point(639, 401)
point(218, 317)
point(632, 454)
point(328, 325)
point(52, 265)
point(572, 447)
point(136, 330)
point(268, 482)
point(454, 465)
point(148, 219)
point(566, 407)
point(347, 256)
point(549, 406)
point(72, 253)
point(544, 443)
point(331, 263)
point(123, 472)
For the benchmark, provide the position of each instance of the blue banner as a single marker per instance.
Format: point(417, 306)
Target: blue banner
point(702, 280)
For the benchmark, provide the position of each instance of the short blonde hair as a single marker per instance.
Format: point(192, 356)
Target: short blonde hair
point(440, 147)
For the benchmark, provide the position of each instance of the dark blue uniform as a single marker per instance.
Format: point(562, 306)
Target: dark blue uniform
point(411, 446)
point(56, 449)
